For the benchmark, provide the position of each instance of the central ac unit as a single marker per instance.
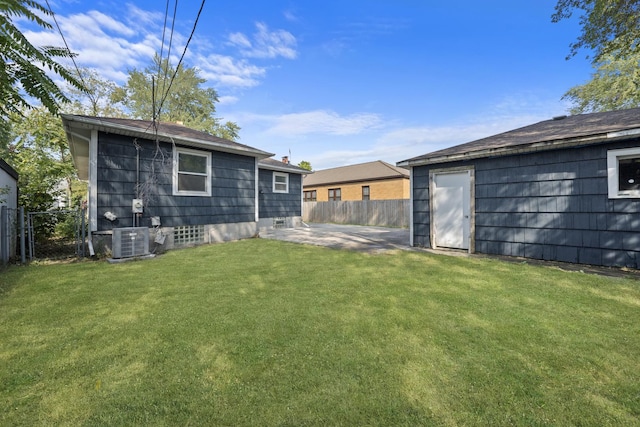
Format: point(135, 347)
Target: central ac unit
point(130, 242)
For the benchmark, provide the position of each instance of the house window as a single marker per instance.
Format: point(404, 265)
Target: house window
point(280, 182)
point(623, 170)
point(335, 194)
point(365, 192)
point(311, 196)
point(191, 172)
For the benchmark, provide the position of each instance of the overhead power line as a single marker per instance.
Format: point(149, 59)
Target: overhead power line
point(66, 45)
point(175, 72)
point(166, 69)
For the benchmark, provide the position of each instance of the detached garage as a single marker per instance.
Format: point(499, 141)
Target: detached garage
point(566, 189)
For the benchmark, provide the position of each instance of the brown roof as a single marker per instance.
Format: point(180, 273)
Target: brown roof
point(166, 131)
point(369, 171)
point(558, 132)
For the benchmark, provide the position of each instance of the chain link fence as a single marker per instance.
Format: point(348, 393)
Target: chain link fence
point(51, 235)
point(56, 234)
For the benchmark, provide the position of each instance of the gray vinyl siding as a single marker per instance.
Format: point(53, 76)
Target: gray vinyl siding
point(232, 186)
point(551, 205)
point(279, 204)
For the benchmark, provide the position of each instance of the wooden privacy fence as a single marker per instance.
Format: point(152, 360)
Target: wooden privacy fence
point(383, 213)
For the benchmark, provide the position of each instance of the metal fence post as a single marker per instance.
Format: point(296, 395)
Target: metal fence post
point(23, 249)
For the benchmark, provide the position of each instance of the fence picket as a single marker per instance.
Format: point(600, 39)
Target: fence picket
point(383, 213)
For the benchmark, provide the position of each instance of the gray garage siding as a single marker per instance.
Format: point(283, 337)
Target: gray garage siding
point(232, 186)
point(279, 204)
point(550, 205)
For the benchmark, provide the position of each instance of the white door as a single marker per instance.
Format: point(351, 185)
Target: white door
point(451, 209)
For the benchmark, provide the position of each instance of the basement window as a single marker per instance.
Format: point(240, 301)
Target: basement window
point(188, 235)
point(623, 171)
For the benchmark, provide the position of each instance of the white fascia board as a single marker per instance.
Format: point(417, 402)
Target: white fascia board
point(96, 123)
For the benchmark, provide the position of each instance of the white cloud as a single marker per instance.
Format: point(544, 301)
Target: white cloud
point(401, 143)
point(266, 43)
point(322, 122)
point(240, 40)
point(114, 44)
point(227, 100)
point(290, 16)
point(228, 71)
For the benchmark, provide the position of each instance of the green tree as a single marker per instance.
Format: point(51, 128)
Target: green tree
point(613, 86)
point(180, 98)
point(608, 26)
point(96, 99)
point(22, 69)
point(40, 154)
point(611, 30)
point(305, 165)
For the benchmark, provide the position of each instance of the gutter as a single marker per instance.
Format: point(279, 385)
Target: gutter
point(90, 123)
point(529, 148)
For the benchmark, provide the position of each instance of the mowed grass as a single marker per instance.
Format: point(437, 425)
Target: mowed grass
point(260, 332)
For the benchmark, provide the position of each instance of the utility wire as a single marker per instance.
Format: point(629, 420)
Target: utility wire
point(193, 30)
point(164, 29)
point(93, 100)
point(166, 69)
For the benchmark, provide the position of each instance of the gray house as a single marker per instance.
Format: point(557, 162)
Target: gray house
point(566, 189)
point(279, 193)
point(185, 186)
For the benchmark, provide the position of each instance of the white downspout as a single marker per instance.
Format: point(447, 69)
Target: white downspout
point(411, 207)
point(93, 188)
point(257, 184)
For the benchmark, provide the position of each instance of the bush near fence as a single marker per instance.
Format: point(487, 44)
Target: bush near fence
point(383, 213)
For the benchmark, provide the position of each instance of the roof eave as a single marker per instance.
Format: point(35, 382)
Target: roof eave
point(352, 181)
point(283, 168)
point(520, 149)
point(91, 123)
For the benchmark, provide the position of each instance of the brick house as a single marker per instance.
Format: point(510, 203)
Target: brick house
point(376, 180)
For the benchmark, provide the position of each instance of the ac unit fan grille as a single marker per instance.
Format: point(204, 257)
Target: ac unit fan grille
point(130, 242)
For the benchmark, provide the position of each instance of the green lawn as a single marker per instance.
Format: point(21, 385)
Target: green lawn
point(261, 332)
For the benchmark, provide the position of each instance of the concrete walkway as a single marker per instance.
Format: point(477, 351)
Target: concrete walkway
point(353, 237)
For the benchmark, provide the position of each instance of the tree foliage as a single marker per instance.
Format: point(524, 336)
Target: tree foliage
point(613, 86)
point(154, 93)
point(305, 165)
point(40, 154)
point(22, 69)
point(611, 30)
point(97, 97)
point(608, 26)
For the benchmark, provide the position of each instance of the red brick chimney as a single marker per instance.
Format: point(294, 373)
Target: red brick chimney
point(285, 159)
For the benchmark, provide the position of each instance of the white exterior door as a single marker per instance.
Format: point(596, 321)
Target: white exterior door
point(452, 209)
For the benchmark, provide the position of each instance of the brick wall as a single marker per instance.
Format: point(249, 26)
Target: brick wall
point(391, 189)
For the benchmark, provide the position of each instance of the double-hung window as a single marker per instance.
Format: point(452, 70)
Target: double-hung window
point(191, 172)
point(623, 170)
point(335, 194)
point(280, 182)
point(366, 192)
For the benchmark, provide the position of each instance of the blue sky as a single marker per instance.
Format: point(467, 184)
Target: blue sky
point(343, 82)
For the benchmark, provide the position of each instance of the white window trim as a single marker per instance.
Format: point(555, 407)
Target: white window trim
point(286, 176)
point(176, 152)
point(613, 156)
